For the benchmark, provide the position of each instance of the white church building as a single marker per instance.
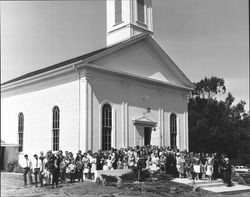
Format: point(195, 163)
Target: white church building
point(129, 93)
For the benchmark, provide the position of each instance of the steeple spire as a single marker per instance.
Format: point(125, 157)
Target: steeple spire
point(127, 18)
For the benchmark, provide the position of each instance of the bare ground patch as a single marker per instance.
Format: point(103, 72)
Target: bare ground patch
point(12, 185)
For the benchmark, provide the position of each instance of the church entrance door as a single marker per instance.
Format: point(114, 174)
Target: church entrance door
point(147, 135)
point(143, 135)
point(143, 131)
point(140, 136)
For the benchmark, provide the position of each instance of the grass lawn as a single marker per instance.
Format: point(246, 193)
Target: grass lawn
point(12, 185)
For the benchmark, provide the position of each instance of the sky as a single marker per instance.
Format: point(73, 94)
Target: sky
point(203, 37)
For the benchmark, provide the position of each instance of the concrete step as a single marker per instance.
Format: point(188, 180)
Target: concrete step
point(216, 186)
point(203, 185)
point(236, 189)
point(207, 181)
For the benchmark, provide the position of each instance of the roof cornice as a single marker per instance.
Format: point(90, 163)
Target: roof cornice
point(130, 76)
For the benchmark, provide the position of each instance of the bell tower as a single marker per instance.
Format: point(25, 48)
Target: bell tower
point(127, 18)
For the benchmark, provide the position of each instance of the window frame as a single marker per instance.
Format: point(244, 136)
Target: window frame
point(20, 131)
point(173, 130)
point(55, 128)
point(106, 126)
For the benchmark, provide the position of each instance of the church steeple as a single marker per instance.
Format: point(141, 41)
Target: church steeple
point(127, 18)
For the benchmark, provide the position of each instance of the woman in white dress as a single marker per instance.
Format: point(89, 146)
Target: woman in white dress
point(209, 167)
point(178, 163)
point(197, 166)
point(155, 163)
point(109, 163)
point(93, 166)
point(85, 162)
point(149, 164)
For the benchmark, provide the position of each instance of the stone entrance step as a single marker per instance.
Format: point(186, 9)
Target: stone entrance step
point(216, 186)
point(236, 189)
point(212, 184)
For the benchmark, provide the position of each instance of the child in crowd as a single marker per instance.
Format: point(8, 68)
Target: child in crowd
point(79, 170)
point(131, 160)
point(105, 167)
point(162, 162)
point(203, 171)
point(63, 166)
point(188, 166)
point(72, 171)
point(125, 162)
point(119, 164)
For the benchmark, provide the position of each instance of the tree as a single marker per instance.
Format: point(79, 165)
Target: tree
point(218, 126)
point(209, 87)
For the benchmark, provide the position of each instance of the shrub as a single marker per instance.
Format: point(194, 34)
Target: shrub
point(145, 174)
point(108, 180)
point(239, 180)
point(98, 180)
point(11, 165)
point(18, 169)
point(246, 178)
point(165, 177)
point(133, 176)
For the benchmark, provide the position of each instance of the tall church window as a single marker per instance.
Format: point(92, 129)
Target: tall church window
point(141, 11)
point(106, 126)
point(20, 131)
point(173, 130)
point(118, 11)
point(55, 128)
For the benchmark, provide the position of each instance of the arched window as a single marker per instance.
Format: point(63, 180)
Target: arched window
point(118, 11)
point(106, 126)
point(20, 131)
point(173, 130)
point(141, 11)
point(55, 128)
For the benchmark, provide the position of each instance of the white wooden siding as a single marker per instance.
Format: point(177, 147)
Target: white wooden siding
point(37, 109)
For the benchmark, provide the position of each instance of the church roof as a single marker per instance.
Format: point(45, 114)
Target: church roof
point(70, 61)
point(99, 53)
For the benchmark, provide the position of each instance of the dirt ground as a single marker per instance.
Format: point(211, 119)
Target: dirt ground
point(12, 185)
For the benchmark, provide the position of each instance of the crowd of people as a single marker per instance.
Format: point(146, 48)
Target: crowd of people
point(53, 168)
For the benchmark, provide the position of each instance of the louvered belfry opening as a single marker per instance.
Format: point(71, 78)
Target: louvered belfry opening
point(118, 11)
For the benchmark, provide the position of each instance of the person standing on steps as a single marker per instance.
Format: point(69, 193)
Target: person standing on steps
point(228, 172)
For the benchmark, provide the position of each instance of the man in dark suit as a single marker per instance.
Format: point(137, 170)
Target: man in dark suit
point(228, 172)
point(56, 170)
point(53, 165)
